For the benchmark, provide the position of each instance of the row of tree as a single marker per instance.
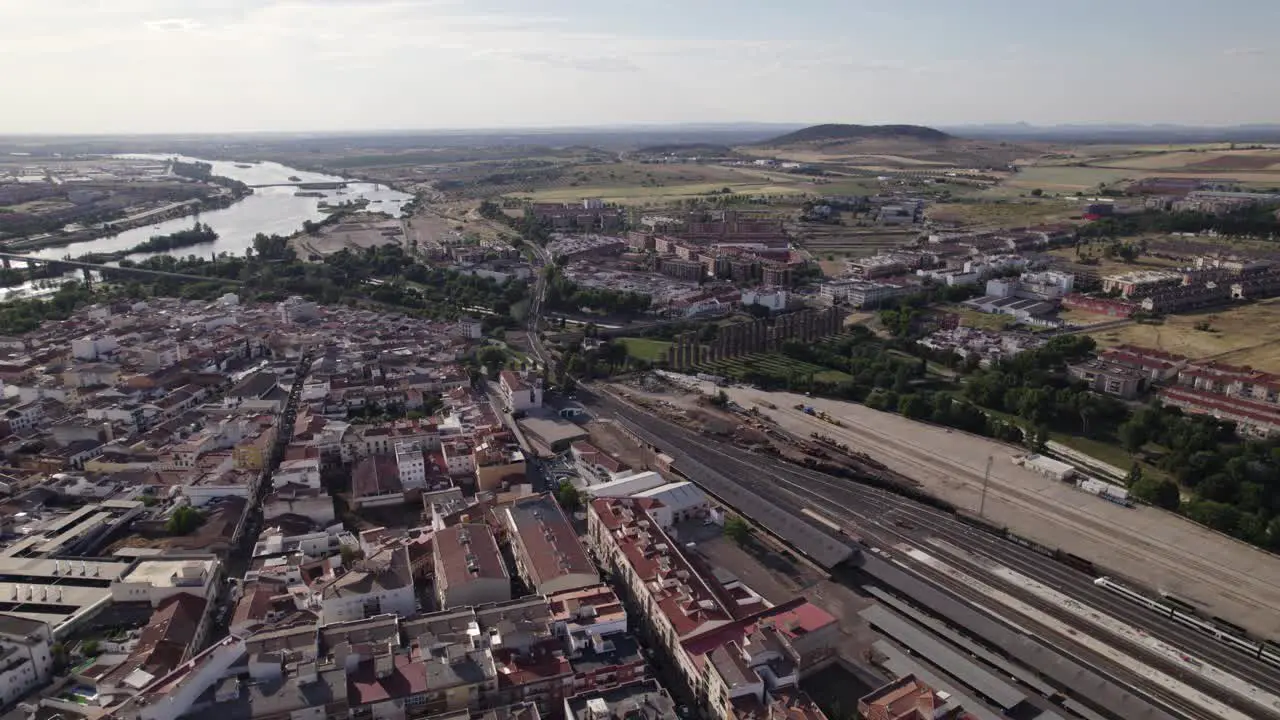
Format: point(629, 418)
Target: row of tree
point(1258, 220)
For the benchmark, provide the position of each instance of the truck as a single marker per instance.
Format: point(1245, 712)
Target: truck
point(808, 410)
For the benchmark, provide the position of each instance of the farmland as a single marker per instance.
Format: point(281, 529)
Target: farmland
point(654, 184)
point(775, 363)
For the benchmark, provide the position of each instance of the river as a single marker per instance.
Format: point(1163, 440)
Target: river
point(271, 210)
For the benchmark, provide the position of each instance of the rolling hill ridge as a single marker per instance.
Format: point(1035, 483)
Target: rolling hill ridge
point(838, 133)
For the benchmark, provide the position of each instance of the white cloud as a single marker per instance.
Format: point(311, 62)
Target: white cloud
point(173, 25)
point(1238, 52)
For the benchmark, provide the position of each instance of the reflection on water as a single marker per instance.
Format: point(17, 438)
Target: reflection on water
point(272, 210)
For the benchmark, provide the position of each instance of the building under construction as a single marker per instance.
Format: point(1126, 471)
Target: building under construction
point(758, 336)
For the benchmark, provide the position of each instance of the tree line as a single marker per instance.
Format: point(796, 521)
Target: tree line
point(343, 277)
point(1206, 471)
point(1257, 220)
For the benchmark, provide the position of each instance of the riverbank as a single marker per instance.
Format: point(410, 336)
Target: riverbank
point(224, 199)
point(276, 207)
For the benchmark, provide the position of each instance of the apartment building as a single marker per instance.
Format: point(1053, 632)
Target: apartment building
point(376, 585)
point(468, 567)
point(519, 392)
point(737, 654)
point(26, 656)
point(548, 555)
point(1107, 377)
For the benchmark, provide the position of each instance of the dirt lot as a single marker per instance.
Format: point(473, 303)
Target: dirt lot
point(1243, 335)
point(355, 233)
point(609, 438)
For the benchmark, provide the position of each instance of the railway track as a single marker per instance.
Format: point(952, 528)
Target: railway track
point(1224, 581)
point(878, 515)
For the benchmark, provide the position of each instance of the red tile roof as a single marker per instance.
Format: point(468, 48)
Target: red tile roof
point(689, 602)
point(547, 539)
point(409, 677)
point(1212, 402)
point(461, 547)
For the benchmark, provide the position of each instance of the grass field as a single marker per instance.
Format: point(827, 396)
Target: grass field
point(974, 319)
point(773, 363)
point(1108, 266)
point(646, 349)
point(1241, 335)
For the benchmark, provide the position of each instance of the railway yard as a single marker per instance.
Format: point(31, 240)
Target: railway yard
point(1223, 576)
point(1050, 638)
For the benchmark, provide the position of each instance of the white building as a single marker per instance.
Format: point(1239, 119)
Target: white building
point(296, 309)
point(152, 581)
point(304, 472)
point(26, 660)
point(92, 347)
point(774, 299)
point(520, 393)
point(311, 503)
point(626, 486)
point(412, 465)
point(382, 583)
point(680, 501)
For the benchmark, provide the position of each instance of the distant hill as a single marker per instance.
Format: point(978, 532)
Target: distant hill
point(840, 133)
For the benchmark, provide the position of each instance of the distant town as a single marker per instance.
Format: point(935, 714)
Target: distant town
point(854, 422)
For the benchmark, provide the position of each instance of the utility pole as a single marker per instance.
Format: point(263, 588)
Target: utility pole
point(986, 478)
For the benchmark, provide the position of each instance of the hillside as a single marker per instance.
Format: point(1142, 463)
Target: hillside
point(840, 133)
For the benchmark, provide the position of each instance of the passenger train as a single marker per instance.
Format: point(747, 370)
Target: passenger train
point(1180, 611)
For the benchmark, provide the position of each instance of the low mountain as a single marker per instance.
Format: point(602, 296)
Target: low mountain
point(841, 133)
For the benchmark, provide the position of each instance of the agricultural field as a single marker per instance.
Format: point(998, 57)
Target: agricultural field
point(645, 348)
point(773, 363)
point(639, 184)
point(1240, 335)
point(1061, 179)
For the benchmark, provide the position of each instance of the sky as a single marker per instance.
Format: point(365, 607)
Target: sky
point(183, 66)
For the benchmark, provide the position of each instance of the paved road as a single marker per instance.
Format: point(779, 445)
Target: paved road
point(875, 514)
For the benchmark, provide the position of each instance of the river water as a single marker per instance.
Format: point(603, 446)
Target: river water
point(271, 210)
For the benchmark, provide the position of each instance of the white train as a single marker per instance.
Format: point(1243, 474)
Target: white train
point(1174, 609)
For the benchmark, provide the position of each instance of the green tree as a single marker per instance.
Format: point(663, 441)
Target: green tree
point(89, 648)
point(350, 555)
point(1132, 436)
point(1158, 492)
point(184, 520)
point(737, 529)
point(568, 496)
point(492, 356)
point(1135, 474)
